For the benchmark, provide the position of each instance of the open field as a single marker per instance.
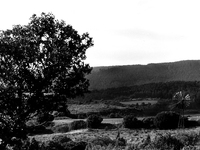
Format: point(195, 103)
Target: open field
point(106, 120)
point(85, 108)
point(139, 102)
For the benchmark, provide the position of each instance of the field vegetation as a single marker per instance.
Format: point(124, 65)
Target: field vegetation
point(140, 102)
point(118, 137)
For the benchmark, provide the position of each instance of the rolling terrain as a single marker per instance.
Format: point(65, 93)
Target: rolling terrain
point(130, 75)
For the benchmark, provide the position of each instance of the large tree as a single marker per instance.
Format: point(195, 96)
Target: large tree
point(45, 56)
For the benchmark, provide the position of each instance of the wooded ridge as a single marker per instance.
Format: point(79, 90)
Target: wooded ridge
point(130, 75)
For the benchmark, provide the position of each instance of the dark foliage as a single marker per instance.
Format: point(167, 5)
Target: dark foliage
point(94, 121)
point(121, 112)
point(163, 90)
point(75, 125)
point(44, 117)
point(82, 116)
point(42, 65)
point(167, 120)
point(130, 75)
point(132, 122)
point(148, 123)
point(37, 129)
point(190, 123)
point(30, 145)
point(10, 128)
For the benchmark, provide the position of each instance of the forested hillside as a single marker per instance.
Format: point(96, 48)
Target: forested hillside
point(125, 76)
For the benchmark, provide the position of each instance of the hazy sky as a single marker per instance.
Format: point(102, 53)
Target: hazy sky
point(124, 31)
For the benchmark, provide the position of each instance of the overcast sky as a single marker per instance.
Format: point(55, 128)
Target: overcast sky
point(125, 32)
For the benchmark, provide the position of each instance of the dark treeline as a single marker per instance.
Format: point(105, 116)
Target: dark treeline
point(160, 90)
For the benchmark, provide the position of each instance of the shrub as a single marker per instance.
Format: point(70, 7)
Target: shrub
point(75, 125)
point(131, 122)
point(166, 120)
point(44, 117)
point(60, 128)
point(94, 121)
point(148, 123)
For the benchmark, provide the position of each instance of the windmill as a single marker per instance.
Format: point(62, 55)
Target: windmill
point(181, 100)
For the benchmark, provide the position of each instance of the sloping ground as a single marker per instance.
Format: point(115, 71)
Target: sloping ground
point(123, 76)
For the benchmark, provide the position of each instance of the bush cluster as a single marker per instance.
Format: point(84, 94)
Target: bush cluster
point(163, 120)
point(148, 123)
point(94, 121)
point(167, 120)
point(131, 122)
point(75, 125)
point(37, 129)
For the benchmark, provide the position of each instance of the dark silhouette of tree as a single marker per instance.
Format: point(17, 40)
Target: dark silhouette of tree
point(41, 66)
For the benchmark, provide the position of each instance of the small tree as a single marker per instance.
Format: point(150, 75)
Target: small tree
point(41, 67)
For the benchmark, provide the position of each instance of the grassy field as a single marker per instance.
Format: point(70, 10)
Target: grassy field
point(134, 138)
point(106, 120)
point(140, 102)
point(85, 108)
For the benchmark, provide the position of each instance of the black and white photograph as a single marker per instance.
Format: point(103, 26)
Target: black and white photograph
point(100, 75)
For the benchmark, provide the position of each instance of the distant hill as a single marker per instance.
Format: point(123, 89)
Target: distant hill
point(124, 76)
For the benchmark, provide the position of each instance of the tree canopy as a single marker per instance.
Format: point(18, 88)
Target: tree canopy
point(45, 56)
